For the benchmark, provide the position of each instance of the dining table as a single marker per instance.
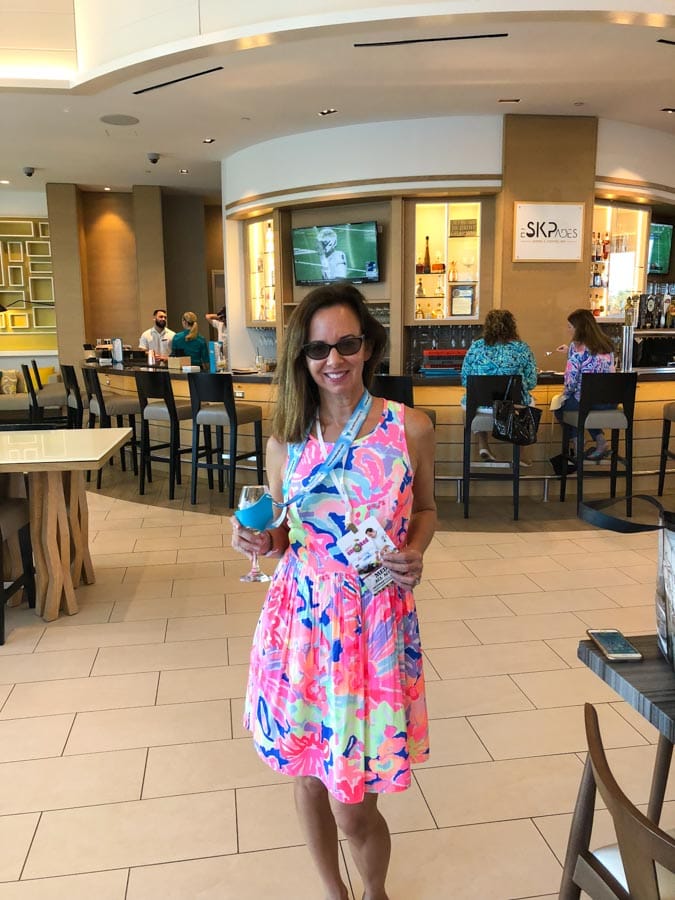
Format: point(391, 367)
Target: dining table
point(55, 462)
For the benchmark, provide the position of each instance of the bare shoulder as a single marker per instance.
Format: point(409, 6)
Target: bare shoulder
point(418, 425)
point(276, 451)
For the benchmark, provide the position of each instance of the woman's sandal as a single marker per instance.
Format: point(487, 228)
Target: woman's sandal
point(486, 456)
point(598, 454)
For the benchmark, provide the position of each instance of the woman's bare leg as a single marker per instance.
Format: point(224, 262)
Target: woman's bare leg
point(320, 831)
point(369, 841)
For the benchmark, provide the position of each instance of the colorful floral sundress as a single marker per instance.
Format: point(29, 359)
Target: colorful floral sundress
point(336, 687)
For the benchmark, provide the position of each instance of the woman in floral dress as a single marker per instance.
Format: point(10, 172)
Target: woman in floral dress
point(336, 690)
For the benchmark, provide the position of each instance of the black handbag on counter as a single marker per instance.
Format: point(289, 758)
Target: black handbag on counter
point(513, 422)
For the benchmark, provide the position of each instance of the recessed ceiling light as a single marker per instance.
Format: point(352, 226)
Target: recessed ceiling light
point(579, 103)
point(119, 119)
point(208, 140)
point(510, 100)
point(327, 112)
point(669, 109)
point(183, 171)
point(107, 189)
point(4, 181)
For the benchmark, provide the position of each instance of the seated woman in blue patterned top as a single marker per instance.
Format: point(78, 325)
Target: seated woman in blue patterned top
point(500, 352)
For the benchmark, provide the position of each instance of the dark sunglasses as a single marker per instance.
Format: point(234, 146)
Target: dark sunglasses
point(346, 346)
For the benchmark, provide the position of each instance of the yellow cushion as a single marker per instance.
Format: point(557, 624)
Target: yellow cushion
point(45, 373)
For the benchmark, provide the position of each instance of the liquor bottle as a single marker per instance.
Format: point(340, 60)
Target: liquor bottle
point(440, 287)
point(269, 239)
point(453, 271)
point(419, 290)
point(597, 277)
point(593, 246)
point(427, 311)
point(427, 257)
point(419, 266)
point(438, 265)
point(606, 245)
point(629, 312)
point(419, 312)
point(438, 312)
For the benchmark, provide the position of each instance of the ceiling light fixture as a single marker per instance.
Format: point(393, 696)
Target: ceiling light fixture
point(208, 140)
point(509, 100)
point(668, 109)
point(327, 112)
point(579, 103)
point(4, 181)
point(119, 119)
point(107, 189)
point(183, 171)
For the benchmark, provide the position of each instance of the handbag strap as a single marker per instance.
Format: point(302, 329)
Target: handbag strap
point(592, 512)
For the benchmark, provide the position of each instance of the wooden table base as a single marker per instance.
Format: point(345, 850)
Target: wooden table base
point(59, 526)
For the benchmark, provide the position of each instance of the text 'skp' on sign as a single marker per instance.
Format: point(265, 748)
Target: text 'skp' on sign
point(548, 232)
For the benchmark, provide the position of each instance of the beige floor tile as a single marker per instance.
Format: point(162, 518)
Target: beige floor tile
point(571, 687)
point(107, 542)
point(544, 732)
point(21, 639)
point(556, 831)
point(199, 628)
point(528, 628)
point(576, 562)
point(474, 697)
point(149, 726)
point(135, 530)
point(89, 614)
point(175, 571)
point(598, 578)
point(196, 532)
point(101, 885)
point(453, 741)
point(629, 619)
point(212, 683)
point(142, 591)
point(631, 594)
point(206, 554)
point(16, 833)
point(151, 559)
point(514, 565)
point(446, 609)
point(45, 666)
point(247, 876)
point(556, 601)
point(237, 716)
point(494, 659)
point(439, 553)
point(168, 607)
point(160, 657)
point(33, 738)
point(5, 690)
point(632, 767)
point(444, 569)
point(239, 650)
point(469, 538)
point(566, 648)
point(643, 574)
point(63, 782)
point(446, 634)
point(43, 698)
point(513, 789)
point(234, 569)
point(638, 721)
point(206, 766)
point(201, 587)
point(426, 591)
point(535, 545)
point(478, 861)
point(187, 541)
point(484, 585)
point(133, 834)
point(243, 603)
point(109, 635)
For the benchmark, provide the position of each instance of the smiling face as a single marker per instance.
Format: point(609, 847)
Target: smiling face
point(337, 375)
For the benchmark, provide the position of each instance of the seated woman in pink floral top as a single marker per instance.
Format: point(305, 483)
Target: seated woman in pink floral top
point(590, 351)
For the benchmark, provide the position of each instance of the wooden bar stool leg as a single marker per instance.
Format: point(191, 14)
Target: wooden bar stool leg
point(134, 444)
point(614, 463)
point(232, 467)
point(665, 441)
point(208, 452)
point(194, 461)
point(628, 439)
point(466, 470)
point(220, 447)
point(516, 481)
point(564, 445)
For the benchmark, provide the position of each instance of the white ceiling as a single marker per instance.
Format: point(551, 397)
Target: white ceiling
point(550, 61)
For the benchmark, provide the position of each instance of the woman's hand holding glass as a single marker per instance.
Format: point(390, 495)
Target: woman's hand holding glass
point(247, 541)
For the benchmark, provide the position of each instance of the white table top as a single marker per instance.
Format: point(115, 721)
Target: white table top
point(62, 449)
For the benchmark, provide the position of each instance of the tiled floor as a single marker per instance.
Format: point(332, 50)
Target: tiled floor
point(125, 771)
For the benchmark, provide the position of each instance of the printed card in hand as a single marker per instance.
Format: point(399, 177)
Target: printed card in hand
point(363, 545)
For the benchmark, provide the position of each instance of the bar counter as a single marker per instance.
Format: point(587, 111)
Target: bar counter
point(656, 386)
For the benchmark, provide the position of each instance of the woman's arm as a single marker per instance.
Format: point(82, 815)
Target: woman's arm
point(572, 372)
point(406, 565)
point(529, 368)
point(468, 364)
point(273, 541)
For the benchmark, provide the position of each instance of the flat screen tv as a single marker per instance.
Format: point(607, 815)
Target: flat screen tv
point(326, 253)
point(660, 246)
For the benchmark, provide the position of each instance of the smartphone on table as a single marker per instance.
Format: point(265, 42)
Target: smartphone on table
point(613, 644)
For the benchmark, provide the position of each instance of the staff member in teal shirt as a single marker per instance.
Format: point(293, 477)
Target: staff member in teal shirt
point(190, 343)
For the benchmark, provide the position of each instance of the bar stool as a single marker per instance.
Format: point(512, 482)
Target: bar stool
point(52, 397)
point(158, 405)
point(598, 389)
point(222, 412)
point(666, 454)
point(400, 389)
point(481, 391)
point(103, 406)
point(15, 527)
point(75, 403)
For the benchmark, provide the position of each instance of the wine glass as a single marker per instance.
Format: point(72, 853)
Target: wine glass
point(250, 494)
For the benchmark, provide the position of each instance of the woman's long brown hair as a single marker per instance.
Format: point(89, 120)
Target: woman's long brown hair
point(588, 332)
point(298, 395)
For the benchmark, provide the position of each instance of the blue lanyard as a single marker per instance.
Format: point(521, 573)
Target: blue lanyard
point(337, 454)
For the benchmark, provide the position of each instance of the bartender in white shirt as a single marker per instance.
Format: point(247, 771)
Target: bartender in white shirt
point(158, 338)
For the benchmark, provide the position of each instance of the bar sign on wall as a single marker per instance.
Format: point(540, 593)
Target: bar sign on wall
point(548, 232)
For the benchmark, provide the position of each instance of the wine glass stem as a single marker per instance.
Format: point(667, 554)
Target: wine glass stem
point(255, 568)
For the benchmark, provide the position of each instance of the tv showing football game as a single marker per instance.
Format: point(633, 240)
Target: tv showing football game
point(660, 246)
point(327, 253)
